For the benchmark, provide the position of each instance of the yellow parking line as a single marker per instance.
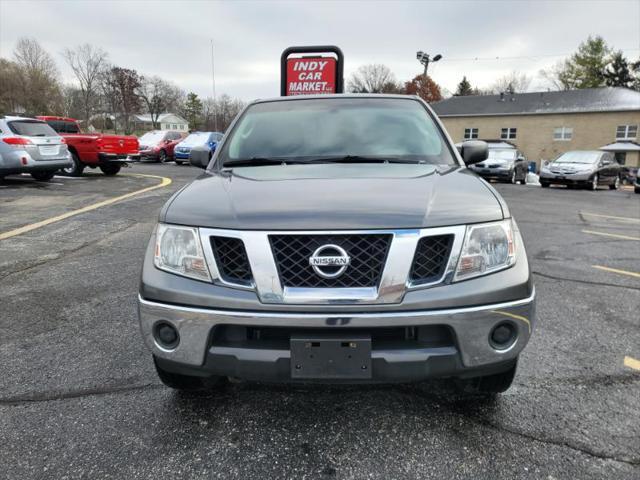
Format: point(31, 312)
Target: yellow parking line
point(514, 316)
point(626, 219)
point(615, 270)
point(632, 363)
point(613, 235)
point(27, 228)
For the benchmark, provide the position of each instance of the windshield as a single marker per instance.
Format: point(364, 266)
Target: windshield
point(579, 157)
point(502, 154)
point(198, 138)
point(151, 138)
point(32, 128)
point(301, 130)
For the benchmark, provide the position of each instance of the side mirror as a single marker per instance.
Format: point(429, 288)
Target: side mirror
point(474, 151)
point(200, 156)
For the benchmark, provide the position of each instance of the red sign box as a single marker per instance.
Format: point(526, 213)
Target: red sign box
point(311, 75)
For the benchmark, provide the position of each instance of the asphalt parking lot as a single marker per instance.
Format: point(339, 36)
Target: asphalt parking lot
point(79, 397)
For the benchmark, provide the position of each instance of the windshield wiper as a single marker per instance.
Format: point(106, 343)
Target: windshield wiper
point(360, 159)
point(258, 161)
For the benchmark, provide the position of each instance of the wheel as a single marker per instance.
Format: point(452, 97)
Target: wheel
point(76, 169)
point(594, 183)
point(615, 185)
point(544, 184)
point(488, 384)
point(110, 169)
point(162, 156)
point(636, 189)
point(44, 176)
point(179, 162)
point(187, 382)
point(513, 180)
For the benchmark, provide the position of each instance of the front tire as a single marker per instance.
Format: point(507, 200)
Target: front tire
point(488, 384)
point(43, 176)
point(162, 156)
point(544, 184)
point(513, 180)
point(179, 162)
point(187, 382)
point(110, 169)
point(594, 183)
point(616, 184)
point(74, 170)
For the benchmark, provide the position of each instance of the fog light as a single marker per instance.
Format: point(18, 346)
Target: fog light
point(502, 336)
point(166, 335)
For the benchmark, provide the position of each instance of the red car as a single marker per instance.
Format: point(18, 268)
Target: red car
point(158, 145)
point(106, 152)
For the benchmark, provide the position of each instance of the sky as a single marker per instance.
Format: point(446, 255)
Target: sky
point(483, 40)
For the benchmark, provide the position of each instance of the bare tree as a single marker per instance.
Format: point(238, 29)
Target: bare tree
point(514, 82)
point(87, 63)
point(158, 97)
point(225, 108)
point(120, 86)
point(38, 89)
point(374, 78)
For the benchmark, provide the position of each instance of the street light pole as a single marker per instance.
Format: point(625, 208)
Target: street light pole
point(424, 59)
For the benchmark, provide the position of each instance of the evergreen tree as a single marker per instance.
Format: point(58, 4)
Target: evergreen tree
point(193, 110)
point(464, 88)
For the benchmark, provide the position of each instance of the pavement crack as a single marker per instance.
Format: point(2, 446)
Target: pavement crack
point(562, 443)
point(86, 392)
point(61, 255)
point(586, 282)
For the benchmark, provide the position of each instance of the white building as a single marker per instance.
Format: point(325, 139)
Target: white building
point(165, 121)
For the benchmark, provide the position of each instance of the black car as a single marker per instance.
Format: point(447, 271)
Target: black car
point(505, 163)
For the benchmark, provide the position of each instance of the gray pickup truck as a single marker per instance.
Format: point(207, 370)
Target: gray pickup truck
point(340, 239)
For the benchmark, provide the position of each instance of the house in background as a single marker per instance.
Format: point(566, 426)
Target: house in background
point(165, 121)
point(544, 125)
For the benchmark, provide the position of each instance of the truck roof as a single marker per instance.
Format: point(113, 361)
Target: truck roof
point(53, 117)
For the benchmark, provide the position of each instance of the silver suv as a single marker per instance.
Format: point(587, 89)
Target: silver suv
point(31, 146)
point(337, 238)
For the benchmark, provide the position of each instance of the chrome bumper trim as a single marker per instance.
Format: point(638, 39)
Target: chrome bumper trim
point(471, 326)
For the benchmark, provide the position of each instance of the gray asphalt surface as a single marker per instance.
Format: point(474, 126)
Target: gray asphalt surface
point(79, 397)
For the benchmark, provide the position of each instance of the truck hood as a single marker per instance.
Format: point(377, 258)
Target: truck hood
point(334, 196)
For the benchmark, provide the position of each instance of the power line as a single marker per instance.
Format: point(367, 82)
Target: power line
point(522, 57)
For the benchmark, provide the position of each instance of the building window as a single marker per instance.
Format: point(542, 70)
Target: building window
point(508, 133)
point(174, 127)
point(470, 133)
point(563, 133)
point(626, 132)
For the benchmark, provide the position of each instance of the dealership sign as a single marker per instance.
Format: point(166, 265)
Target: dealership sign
point(311, 75)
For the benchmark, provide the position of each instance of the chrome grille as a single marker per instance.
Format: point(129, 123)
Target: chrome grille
point(232, 261)
point(368, 253)
point(430, 260)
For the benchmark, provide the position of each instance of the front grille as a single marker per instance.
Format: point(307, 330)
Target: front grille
point(431, 257)
point(368, 253)
point(232, 261)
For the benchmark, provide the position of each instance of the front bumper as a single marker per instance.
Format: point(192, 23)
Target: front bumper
point(494, 173)
point(470, 352)
point(566, 179)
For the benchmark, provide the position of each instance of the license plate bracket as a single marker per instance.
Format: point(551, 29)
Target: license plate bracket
point(321, 356)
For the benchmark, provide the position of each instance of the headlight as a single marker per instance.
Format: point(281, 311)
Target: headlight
point(487, 248)
point(178, 250)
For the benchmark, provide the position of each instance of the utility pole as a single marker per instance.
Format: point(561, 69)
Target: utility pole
point(424, 59)
point(213, 88)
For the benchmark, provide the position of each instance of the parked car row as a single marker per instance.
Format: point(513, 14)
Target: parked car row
point(166, 145)
point(46, 145)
